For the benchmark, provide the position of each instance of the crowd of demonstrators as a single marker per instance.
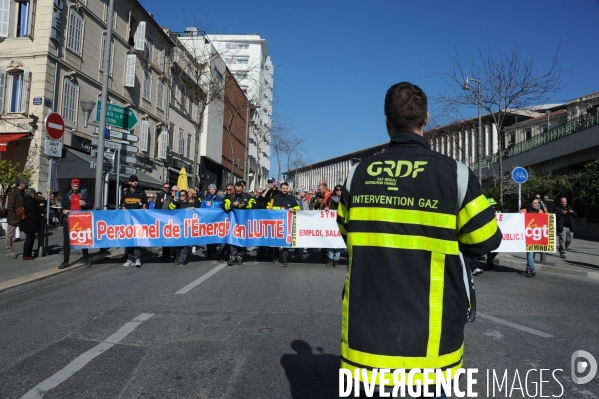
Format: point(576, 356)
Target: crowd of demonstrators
point(134, 198)
point(564, 215)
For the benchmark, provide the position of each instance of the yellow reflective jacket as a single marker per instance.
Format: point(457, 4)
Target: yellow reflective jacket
point(406, 221)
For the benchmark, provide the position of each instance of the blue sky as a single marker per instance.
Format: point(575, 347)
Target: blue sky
point(334, 60)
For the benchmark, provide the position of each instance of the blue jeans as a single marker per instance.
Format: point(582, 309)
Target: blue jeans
point(334, 254)
point(530, 261)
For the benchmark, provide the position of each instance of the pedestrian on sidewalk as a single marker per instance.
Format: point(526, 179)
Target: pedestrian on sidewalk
point(533, 207)
point(75, 200)
point(31, 224)
point(134, 198)
point(564, 215)
point(14, 201)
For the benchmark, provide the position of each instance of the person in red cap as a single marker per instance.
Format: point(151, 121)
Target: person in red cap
point(76, 200)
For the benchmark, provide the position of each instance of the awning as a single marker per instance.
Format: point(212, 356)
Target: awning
point(76, 164)
point(6, 138)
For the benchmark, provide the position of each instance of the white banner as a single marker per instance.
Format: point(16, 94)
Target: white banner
point(521, 232)
point(317, 229)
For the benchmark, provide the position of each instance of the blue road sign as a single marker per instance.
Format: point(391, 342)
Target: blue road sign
point(519, 175)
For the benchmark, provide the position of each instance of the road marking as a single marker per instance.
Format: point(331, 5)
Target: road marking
point(52, 382)
point(514, 325)
point(199, 281)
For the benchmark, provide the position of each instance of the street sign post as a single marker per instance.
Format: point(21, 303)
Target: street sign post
point(117, 146)
point(126, 159)
point(126, 169)
point(118, 116)
point(519, 175)
point(94, 165)
point(120, 136)
point(54, 125)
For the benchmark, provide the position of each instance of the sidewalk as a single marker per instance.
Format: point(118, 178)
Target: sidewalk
point(582, 259)
point(14, 272)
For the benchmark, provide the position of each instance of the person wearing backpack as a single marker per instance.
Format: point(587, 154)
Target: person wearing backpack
point(14, 202)
point(31, 224)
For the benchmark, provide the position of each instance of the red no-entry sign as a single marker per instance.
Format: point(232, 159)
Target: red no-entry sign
point(54, 125)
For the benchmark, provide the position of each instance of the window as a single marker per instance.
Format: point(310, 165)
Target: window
point(199, 109)
point(181, 141)
point(4, 17)
point(69, 101)
point(163, 144)
point(162, 56)
point(14, 89)
point(110, 63)
point(147, 84)
point(183, 97)
point(140, 36)
point(243, 46)
point(24, 18)
point(241, 75)
point(188, 145)
point(528, 134)
point(145, 125)
point(149, 50)
point(190, 108)
point(243, 61)
point(131, 30)
point(160, 96)
point(171, 135)
point(114, 15)
point(75, 32)
point(130, 70)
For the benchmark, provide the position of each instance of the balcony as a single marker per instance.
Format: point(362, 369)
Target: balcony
point(584, 136)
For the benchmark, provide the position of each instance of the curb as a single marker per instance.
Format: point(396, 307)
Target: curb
point(44, 274)
point(548, 268)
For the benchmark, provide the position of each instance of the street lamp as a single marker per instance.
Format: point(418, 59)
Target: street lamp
point(548, 113)
point(478, 139)
point(86, 106)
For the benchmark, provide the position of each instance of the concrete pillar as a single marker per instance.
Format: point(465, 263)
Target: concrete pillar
point(460, 147)
point(494, 141)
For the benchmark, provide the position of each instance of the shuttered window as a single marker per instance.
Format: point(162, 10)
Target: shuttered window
point(4, 17)
point(140, 36)
point(69, 101)
point(145, 127)
point(181, 141)
point(160, 96)
point(75, 31)
point(130, 70)
point(2, 89)
point(147, 84)
point(163, 144)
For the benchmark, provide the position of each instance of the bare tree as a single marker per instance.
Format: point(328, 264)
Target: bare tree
point(509, 81)
point(283, 141)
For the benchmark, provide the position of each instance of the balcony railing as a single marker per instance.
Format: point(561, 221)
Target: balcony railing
point(573, 126)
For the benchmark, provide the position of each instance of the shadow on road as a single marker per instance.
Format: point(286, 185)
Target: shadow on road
point(311, 375)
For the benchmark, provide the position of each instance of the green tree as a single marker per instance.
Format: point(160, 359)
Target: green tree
point(9, 172)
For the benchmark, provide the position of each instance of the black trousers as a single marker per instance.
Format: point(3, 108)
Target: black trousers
point(66, 244)
point(28, 244)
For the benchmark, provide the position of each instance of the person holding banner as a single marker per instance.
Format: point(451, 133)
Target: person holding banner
point(134, 198)
point(75, 200)
point(237, 200)
point(285, 201)
point(266, 201)
point(183, 203)
point(211, 201)
point(533, 206)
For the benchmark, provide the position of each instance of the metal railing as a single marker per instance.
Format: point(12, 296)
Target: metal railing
point(573, 126)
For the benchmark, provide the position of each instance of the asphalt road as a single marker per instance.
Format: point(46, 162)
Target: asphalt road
point(261, 331)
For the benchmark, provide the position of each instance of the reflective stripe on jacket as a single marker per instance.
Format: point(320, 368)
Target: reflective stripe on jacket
point(405, 300)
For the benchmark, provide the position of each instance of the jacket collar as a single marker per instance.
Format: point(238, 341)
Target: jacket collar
point(408, 139)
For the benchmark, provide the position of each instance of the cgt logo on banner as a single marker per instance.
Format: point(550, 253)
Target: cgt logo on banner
point(540, 232)
point(80, 229)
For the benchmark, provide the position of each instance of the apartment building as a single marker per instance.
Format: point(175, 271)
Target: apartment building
point(248, 59)
point(51, 60)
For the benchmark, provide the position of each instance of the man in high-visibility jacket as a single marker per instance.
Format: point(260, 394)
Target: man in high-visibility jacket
point(408, 214)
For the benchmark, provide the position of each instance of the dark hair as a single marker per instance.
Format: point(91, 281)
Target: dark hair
point(239, 184)
point(183, 192)
point(338, 187)
point(284, 184)
point(405, 107)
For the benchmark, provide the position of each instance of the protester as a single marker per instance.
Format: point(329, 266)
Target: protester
point(134, 198)
point(14, 201)
point(406, 297)
point(549, 204)
point(160, 199)
point(284, 200)
point(320, 198)
point(76, 199)
point(193, 199)
point(237, 200)
point(151, 202)
point(541, 204)
point(183, 203)
point(533, 207)
point(212, 201)
point(266, 201)
point(332, 203)
point(300, 197)
point(564, 215)
point(492, 255)
point(31, 224)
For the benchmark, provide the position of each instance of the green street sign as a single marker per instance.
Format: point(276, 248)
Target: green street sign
point(116, 115)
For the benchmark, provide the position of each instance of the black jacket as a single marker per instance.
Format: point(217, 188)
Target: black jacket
point(134, 200)
point(31, 224)
point(66, 203)
point(560, 217)
point(266, 201)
